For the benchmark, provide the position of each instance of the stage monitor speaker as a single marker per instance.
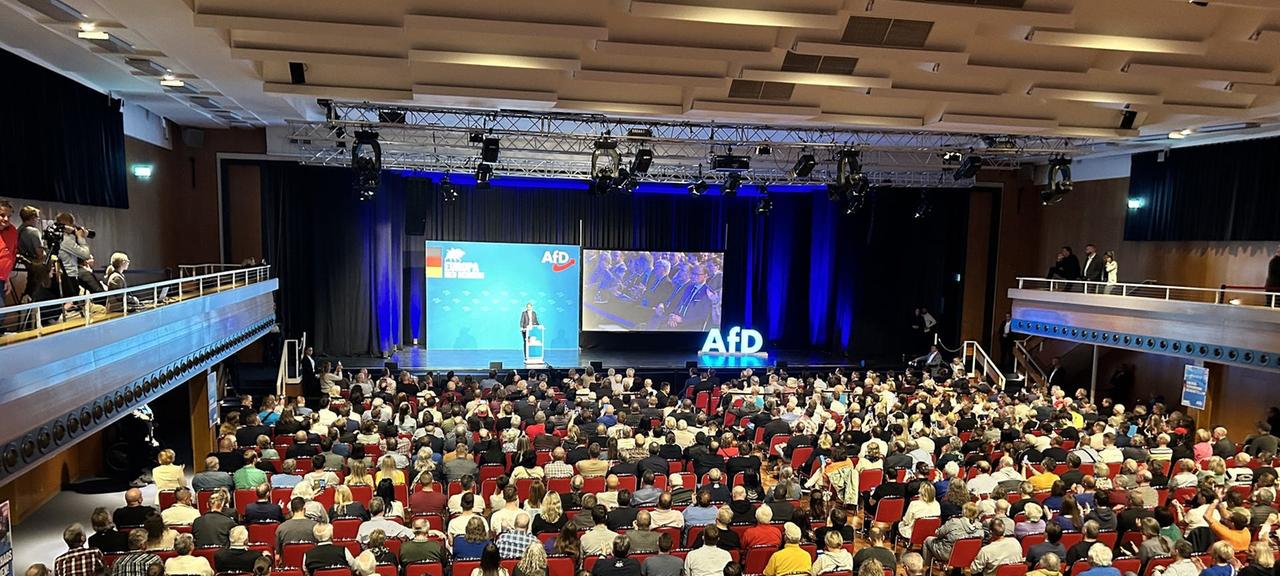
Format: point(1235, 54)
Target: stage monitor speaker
point(391, 367)
point(495, 366)
point(416, 192)
point(690, 364)
point(1127, 118)
point(597, 366)
point(297, 73)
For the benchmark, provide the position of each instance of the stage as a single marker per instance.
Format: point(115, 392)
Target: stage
point(420, 359)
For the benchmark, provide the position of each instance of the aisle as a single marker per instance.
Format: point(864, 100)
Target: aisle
point(39, 537)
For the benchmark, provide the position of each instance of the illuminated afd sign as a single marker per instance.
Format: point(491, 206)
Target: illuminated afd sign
point(739, 342)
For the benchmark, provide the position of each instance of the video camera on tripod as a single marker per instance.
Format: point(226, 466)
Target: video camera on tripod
point(54, 233)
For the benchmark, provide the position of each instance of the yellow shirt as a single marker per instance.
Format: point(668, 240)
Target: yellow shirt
point(168, 477)
point(791, 559)
point(397, 477)
point(1043, 481)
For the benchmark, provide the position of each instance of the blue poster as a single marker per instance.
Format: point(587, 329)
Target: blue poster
point(1195, 385)
point(477, 293)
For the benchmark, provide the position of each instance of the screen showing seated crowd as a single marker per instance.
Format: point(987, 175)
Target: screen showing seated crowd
point(477, 293)
point(636, 291)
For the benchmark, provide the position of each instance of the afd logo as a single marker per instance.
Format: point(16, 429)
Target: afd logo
point(558, 259)
point(739, 342)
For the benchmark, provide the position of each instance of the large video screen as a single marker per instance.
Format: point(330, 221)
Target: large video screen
point(634, 291)
point(477, 293)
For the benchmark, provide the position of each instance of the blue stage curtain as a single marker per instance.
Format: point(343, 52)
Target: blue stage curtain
point(339, 259)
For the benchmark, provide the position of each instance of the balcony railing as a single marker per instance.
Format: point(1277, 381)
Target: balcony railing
point(39, 319)
point(1226, 296)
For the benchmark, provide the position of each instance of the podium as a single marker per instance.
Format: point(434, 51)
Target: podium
point(534, 344)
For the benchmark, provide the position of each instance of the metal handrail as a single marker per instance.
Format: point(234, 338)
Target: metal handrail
point(186, 288)
point(974, 353)
point(194, 270)
point(1173, 293)
point(1029, 359)
point(289, 359)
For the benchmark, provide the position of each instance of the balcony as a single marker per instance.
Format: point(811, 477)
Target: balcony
point(1227, 326)
point(77, 364)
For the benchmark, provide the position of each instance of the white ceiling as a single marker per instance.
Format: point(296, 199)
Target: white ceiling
point(1052, 67)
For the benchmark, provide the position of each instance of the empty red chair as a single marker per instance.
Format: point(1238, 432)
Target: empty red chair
point(243, 498)
point(1031, 540)
point(430, 569)
point(799, 456)
point(963, 553)
point(693, 538)
point(166, 498)
point(1018, 569)
point(888, 511)
point(345, 528)
point(361, 494)
point(923, 528)
point(293, 552)
point(262, 532)
point(556, 565)
point(758, 558)
point(387, 570)
point(338, 571)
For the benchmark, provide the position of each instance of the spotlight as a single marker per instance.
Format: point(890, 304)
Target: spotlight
point(952, 158)
point(923, 208)
point(366, 162)
point(489, 149)
point(698, 188)
point(968, 167)
point(484, 172)
point(619, 182)
point(448, 192)
point(764, 150)
point(1059, 182)
point(804, 166)
point(643, 160)
point(731, 185)
point(605, 165)
point(765, 205)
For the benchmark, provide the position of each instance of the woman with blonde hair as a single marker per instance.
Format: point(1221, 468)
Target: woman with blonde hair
point(1203, 448)
point(387, 469)
point(270, 412)
point(345, 505)
point(168, 476)
point(926, 507)
point(551, 517)
point(834, 557)
point(358, 474)
point(1262, 560)
point(1216, 472)
point(534, 562)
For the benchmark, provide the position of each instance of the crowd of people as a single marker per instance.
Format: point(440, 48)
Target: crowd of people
point(763, 472)
point(1102, 269)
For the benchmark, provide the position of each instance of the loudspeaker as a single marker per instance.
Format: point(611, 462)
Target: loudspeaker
point(489, 150)
point(297, 73)
point(192, 137)
point(495, 366)
point(690, 364)
point(416, 192)
point(391, 367)
point(1127, 119)
point(597, 366)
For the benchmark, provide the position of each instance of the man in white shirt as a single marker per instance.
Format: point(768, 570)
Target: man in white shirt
point(1000, 551)
point(984, 482)
point(598, 541)
point(1007, 471)
point(182, 512)
point(455, 501)
point(458, 526)
point(503, 519)
point(708, 559)
point(379, 522)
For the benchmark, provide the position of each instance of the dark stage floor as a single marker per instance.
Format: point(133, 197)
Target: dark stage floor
point(472, 360)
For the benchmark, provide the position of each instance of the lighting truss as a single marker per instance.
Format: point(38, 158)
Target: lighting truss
point(548, 144)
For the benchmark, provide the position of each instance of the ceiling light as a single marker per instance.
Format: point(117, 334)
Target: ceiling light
point(804, 166)
point(763, 150)
point(698, 188)
point(448, 192)
point(484, 172)
point(89, 31)
point(366, 162)
point(1177, 135)
point(1060, 183)
point(765, 205)
point(731, 185)
point(968, 168)
point(172, 81)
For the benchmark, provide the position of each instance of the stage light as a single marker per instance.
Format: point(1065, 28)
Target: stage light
point(804, 166)
point(765, 205)
point(968, 167)
point(698, 188)
point(764, 150)
point(366, 162)
point(605, 165)
point(1060, 183)
point(643, 160)
point(731, 185)
point(484, 172)
point(448, 192)
point(923, 208)
point(952, 158)
point(489, 149)
point(630, 185)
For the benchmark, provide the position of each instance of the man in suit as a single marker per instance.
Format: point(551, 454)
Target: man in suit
point(1055, 367)
point(1273, 273)
point(1067, 267)
point(527, 318)
point(657, 286)
point(310, 380)
point(691, 308)
point(931, 361)
point(1093, 270)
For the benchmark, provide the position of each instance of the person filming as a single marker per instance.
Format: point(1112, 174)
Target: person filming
point(73, 250)
point(527, 318)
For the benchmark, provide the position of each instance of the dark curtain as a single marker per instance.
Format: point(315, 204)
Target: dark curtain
point(63, 142)
point(1220, 192)
point(339, 259)
point(810, 277)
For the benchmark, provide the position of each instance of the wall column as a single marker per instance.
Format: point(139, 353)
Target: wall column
point(203, 435)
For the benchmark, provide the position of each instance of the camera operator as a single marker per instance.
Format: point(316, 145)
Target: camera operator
point(73, 250)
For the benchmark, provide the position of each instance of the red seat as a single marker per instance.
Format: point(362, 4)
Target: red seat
point(799, 456)
point(923, 528)
point(426, 569)
point(1108, 538)
point(509, 564)
point(963, 552)
point(1018, 569)
point(889, 511)
point(287, 572)
point(559, 485)
point(339, 571)
point(594, 485)
point(293, 553)
point(1031, 540)
point(1127, 565)
point(491, 472)
point(1070, 539)
point(627, 482)
point(523, 486)
point(464, 567)
point(557, 565)
point(202, 500)
point(351, 545)
point(777, 440)
point(1153, 563)
point(263, 532)
point(693, 538)
point(869, 479)
point(166, 498)
point(281, 496)
point(758, 558)
point(361, 494)
point(243, 498)
point(206, 552)
point(588, 563)
point(345, 528)
point(387, 570)
point(325, 497)
point(402, 493)
point(303, 466)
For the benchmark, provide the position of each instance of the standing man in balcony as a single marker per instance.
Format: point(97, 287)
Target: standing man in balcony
point(310, 381)
point(1092, 270)
point(1066, 267)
